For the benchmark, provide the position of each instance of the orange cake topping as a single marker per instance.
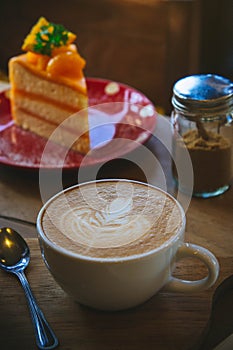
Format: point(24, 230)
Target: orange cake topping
point(50, 49)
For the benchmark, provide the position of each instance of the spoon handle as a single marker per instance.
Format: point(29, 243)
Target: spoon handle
point(45, 337)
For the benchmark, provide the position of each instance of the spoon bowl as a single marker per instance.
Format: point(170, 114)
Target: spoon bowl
point(14, 258)
point(14, 251)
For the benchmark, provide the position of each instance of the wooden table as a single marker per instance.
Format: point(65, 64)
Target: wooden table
point(167, 321)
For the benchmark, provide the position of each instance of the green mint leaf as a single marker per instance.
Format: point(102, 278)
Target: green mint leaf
point(49, 37)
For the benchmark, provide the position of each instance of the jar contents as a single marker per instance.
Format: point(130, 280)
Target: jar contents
point(210, 157)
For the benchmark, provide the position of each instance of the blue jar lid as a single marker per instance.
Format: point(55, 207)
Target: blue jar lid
point(203, 94)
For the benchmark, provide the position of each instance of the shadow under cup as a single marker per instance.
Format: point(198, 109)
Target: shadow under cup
point(122, 266)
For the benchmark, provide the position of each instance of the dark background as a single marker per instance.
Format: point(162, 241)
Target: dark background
point(148, 44)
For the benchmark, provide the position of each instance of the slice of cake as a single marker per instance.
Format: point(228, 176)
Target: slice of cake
point(48, 86)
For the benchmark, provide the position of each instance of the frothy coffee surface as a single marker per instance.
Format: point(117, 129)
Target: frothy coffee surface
point(111, 219)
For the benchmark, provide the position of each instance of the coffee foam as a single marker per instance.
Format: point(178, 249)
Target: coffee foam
point(111, 219)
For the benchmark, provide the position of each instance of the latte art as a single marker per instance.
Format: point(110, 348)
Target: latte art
point(112, 218)
point(112, 227)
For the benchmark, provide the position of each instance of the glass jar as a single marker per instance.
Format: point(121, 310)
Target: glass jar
point(202, 123)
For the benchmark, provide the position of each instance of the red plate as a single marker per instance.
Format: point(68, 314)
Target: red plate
point(128, 123)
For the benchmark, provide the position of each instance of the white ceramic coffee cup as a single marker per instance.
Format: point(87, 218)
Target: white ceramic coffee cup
point(124, 282)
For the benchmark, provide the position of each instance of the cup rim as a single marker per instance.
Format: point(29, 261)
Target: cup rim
point(117, 259)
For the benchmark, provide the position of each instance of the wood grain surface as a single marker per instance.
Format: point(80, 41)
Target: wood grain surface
point(167, 321)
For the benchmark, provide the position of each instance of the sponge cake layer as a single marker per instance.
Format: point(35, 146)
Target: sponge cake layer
point(41, 104)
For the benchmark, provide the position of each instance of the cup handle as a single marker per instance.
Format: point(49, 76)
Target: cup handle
point(192, 250)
